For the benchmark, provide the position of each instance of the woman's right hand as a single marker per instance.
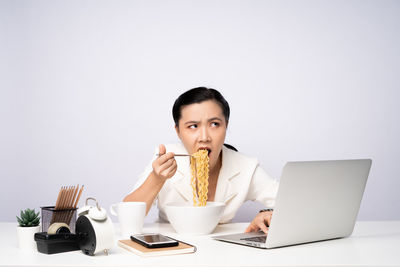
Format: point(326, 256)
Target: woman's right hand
point(165, 165)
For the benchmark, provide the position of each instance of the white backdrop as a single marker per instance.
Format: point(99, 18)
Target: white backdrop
point(87, 89)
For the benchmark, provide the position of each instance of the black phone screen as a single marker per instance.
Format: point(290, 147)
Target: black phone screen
point(154, 240)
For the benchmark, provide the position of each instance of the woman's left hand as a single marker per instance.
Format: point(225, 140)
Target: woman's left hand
point(261, 221)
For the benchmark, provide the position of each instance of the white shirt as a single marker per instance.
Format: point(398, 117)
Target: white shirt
point(240, 179)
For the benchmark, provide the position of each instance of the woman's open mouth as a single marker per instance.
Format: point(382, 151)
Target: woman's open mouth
point(206, 148)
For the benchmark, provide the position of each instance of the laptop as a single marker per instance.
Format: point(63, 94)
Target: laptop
point(316, 200)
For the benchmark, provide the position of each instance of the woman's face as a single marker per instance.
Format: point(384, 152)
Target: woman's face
point(203, 126)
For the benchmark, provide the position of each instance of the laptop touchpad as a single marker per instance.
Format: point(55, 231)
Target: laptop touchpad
point(260, 239)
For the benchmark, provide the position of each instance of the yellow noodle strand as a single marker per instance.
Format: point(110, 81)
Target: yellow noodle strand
point(193, 179)
point(199, 168)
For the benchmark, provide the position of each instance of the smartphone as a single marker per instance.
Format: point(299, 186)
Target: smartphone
point(154, 240)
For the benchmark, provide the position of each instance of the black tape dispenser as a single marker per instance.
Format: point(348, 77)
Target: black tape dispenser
point(57, 239)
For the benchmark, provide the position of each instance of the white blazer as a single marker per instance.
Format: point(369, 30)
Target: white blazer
point(240, 179)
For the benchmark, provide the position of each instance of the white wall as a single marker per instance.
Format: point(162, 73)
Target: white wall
point(87, 87)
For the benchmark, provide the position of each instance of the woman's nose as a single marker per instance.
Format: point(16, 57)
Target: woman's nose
point(204, 136)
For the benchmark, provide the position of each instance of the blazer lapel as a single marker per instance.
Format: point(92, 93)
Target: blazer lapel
point(226, 190)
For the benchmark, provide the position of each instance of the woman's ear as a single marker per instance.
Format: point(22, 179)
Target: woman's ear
point(177, 132)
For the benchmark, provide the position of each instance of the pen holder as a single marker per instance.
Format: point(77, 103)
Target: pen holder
point(50, 216)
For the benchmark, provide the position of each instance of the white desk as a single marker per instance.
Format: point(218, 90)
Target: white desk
point(372, 244)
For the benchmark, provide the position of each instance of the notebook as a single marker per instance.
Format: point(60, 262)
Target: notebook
point(182, 248)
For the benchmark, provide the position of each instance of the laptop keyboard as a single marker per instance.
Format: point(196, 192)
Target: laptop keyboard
point(260, 239)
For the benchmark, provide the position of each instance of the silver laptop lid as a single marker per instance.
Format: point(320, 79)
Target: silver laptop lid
point(317, 200)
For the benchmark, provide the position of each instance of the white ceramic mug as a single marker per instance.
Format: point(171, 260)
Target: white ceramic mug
point(130, 216)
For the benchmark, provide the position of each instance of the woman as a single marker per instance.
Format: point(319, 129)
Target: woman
point(201, 118)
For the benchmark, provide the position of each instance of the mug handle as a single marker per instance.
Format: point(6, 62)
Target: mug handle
point(112, 209)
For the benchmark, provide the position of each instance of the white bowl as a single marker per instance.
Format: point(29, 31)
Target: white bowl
point(189, 219)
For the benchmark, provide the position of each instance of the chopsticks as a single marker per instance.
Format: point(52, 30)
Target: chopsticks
point(67, 200)
point(178, 155)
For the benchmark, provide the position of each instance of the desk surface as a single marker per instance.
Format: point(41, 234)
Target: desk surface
point(371, 244)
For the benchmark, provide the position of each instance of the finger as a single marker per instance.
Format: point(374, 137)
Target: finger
point(174, 165)
point(251, 228)
point(248, 229)
point(166, 165)
point(168, 173)
point(165, 157)
point(161, 150)
point(268, 220)
point(263, 227)
point(171, 170)
point(171, 166)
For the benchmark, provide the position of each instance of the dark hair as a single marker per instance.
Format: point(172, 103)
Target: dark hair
point(198, 95)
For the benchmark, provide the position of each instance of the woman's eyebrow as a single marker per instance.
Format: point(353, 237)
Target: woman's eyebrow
point(197, 122)
point(192, 122)
point(215, 118)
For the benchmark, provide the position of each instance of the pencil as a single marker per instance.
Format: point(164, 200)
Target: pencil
point(79, 196)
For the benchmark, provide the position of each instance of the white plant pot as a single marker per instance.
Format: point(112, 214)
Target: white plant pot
point(26, 237)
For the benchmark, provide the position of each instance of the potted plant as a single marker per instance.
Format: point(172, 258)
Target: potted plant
point(28, 226)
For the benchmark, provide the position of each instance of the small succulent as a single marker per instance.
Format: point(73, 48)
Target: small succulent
point(28, 218)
